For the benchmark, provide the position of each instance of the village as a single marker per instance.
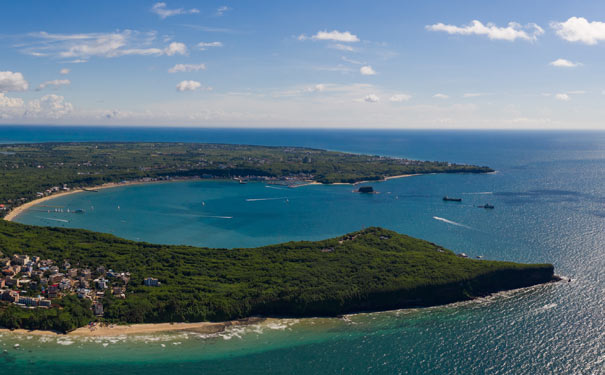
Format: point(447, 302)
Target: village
point(30, 282)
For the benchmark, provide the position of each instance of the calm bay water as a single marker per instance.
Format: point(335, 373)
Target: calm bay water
point(549, 194)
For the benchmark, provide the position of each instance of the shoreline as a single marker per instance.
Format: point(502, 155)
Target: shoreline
point(15, 212)
point(113, 330)
point(12, 215)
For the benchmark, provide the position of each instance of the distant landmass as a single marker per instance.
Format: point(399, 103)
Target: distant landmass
point(30, 171)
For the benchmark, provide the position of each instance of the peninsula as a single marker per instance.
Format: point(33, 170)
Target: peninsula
point(370, 270)
point(34, 171)
point(61, 279)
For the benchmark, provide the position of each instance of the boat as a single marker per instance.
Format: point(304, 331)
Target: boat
point(79, 211)
point(487, 205)
point(451, 199)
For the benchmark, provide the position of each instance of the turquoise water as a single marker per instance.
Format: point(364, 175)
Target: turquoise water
point(549, 194)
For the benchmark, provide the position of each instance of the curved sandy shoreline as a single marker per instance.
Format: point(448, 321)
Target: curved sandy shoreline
point(12, 215)
point(19, 209)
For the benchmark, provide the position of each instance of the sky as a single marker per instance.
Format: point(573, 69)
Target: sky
point(313, 64)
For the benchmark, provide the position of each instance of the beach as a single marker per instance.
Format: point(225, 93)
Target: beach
point(112, 330)
point(19, 209)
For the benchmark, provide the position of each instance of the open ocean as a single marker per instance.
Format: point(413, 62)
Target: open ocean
point(549, 194)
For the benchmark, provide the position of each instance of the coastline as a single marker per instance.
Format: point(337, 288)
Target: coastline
point(19, 209)
point(12, 215)
point(143, 328)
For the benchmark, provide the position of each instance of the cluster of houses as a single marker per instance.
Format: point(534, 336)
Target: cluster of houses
point(52, 190)
point(31, 282)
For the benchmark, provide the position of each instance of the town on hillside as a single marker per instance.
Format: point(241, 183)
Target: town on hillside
point(31, 282)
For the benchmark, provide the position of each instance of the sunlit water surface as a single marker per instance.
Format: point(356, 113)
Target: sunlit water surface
point(549, 194)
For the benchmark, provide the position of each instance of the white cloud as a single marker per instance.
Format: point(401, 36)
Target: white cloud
point(202, 46)
point(64, 71)
point(188, 86)
point(178, 68)
point(367, 70)
point(7, 102)
point(10, 107)
point(440, 96)
point(351, 61)
point(342, 47)
point(579, 29)
point(398, 98)
point(176, 48)
point(50, 106)
point(12, 81)
point(372, 98)
point(81, 47)
point(334, 35)
point(317, 88)
point(562, 96)
point(222, 10)
point(562, 63)
point(161, 10)
point(56, 83)
point(510, 33)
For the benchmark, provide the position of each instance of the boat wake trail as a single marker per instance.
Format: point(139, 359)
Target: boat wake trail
point(265, 199)
point(451, 222)
point(275, 187)
point(49, 218)
point(217, 217)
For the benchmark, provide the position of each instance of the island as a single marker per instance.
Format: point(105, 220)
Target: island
point(61, 279)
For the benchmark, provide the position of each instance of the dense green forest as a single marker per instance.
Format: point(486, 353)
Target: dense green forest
point(373, 269)
point(27, 169)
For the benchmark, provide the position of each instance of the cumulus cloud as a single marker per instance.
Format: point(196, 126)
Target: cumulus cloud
point(56, 83)
point(81, 47)
point(562, 96)
point(50, 106)
point(176, 48)
point(222, 10)
point(440, 96)
point(334, 35)
point(562, 63)
point(367, 70)
point(202, 46)
point(579, 29)
point(188, 86)
point(64, 71)
point(12, 81)
point(372, 98)
point(398, 98)
point(178, 68)
point(161, 10)
point(510, 33)
point(7, 102)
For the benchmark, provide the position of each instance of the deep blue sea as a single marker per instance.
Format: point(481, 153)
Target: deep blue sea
point(549, 194)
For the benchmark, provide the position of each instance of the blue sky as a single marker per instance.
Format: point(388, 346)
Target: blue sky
point(386, 64)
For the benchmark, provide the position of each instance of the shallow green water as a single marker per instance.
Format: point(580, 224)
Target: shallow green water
point(549, 194)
